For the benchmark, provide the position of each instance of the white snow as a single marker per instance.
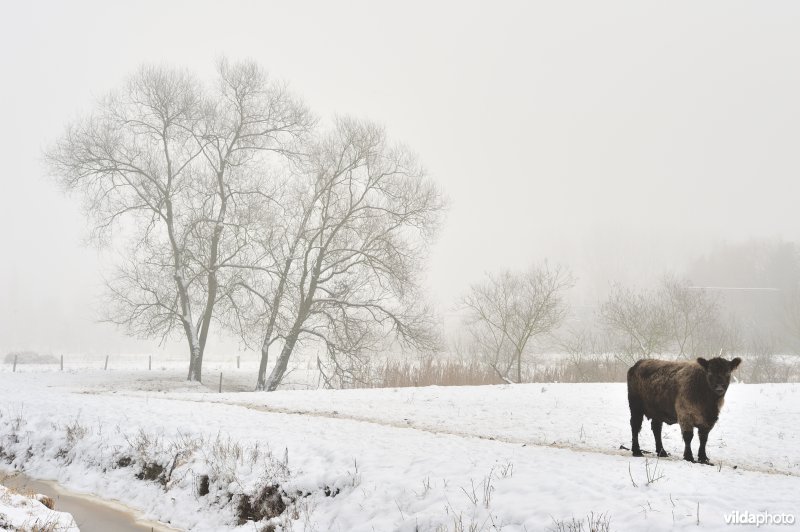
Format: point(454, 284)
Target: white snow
point(508, 458)
point(23, 512)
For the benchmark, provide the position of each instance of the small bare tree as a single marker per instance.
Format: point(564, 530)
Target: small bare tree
point(342, 266)
point(642, 319)
point(672, 317)
point(791, 312)
point(590, 356)
point(695, 318)
point(166, 166)
point(507, 311)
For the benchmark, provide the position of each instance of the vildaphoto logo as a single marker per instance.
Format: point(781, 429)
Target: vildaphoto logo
point(761, 518)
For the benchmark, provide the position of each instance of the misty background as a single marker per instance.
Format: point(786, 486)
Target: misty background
point(641, 139)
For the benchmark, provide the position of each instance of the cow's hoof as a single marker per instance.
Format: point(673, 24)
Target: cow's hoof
point(663, 454)
point(688, 458)
point(637, 453)
point(705, 461)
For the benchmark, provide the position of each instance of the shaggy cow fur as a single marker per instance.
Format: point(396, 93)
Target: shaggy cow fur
point(689, 393)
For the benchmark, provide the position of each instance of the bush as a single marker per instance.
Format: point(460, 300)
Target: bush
point(30, 357)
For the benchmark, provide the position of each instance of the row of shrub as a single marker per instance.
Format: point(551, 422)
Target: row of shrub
point(429, 371)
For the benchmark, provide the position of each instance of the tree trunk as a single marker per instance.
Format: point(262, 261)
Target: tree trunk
point(281, 364)
point(261, 384)
point(196, 364)
point(276, 301)
point(195, 353)
point(213, 283)
point(302, 314)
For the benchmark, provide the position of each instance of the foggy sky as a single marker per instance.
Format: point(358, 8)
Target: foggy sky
point(617, 138)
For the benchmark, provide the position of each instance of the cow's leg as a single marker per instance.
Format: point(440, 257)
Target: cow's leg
point(656, 425)
point(701, 454)
point(637, 416)
point(687, 429)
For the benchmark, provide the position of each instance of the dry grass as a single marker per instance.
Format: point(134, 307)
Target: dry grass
point(49, 524)
point(592, 523)
point(48, 502)
point(576, 366)
point(430, 372)
point(582, 368)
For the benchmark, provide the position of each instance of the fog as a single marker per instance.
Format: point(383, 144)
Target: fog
point(622, 140)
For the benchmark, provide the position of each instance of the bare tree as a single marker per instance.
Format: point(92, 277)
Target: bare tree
point(590, 356)
point(505, 312)
point(642, 319)
point(672, 317)
point(791, 307)
point(341, 267)
point(165, 166)
point(695, 317)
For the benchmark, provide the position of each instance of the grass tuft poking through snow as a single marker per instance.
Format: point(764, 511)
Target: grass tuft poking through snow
point(591, 523)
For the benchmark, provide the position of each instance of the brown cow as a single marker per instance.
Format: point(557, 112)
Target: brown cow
point(689, 393)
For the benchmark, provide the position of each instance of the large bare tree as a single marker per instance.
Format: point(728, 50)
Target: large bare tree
point(166, 166)
point(341, 266)
point(507, 311)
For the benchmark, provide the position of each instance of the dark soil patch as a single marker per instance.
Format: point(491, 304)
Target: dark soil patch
point(268, 503)
point(202, 486)
point(151, 471)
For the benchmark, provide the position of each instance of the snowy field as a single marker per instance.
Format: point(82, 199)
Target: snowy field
point(523, 457)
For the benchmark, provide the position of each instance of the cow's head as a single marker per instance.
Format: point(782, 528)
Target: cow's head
point(718, 372)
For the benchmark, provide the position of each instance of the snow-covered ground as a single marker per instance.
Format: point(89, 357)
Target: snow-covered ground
point(511, 458)
point(24, 512)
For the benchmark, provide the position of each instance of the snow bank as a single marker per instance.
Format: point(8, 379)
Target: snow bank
point(22, 512)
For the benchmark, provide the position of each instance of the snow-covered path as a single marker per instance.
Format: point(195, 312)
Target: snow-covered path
point(414, 459)
point(586, 417)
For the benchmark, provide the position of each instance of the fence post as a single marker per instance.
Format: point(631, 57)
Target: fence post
point(15, 364)
point(62, 362)
point(220, 382)
point(105, 367)
point(237, 362)
point(150, 363)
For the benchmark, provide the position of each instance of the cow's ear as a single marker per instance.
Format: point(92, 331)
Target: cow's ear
point(735, 363)
point(703, 362)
